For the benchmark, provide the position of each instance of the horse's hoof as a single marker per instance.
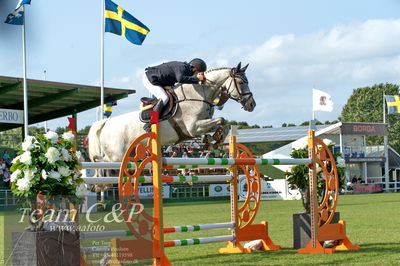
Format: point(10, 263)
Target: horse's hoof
point(206, 139)
point(217, 146)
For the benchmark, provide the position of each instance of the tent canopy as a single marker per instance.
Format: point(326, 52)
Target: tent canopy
point(49, 100)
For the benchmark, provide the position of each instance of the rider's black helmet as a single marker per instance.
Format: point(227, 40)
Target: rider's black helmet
point(199, 64)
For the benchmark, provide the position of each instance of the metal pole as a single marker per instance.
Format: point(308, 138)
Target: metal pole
point(102, 62)
point(101, 115)
point(386, 147)
point(24, 76)
point(384, 109)
point(45, 122)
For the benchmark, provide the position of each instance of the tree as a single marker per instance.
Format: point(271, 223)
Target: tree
point(61, 130)
point(84, 130)
point(366, 105)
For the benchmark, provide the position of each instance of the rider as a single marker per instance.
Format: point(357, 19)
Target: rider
point(167, 74)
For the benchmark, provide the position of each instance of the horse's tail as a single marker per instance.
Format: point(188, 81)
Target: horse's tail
point(94, 140)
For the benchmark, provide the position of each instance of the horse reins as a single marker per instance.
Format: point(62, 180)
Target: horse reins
point(176, 126)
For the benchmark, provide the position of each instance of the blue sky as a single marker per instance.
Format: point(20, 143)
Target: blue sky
point(292, 46)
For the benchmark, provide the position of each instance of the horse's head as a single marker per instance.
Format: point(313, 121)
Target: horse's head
point(237, 87)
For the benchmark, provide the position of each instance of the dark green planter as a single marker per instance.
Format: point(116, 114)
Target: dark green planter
point(302, 228)
point(45, 248)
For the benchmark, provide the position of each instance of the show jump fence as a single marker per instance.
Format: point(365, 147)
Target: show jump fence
point(148, 229)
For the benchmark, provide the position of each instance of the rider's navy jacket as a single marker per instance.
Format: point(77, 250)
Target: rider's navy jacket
point(167, 74)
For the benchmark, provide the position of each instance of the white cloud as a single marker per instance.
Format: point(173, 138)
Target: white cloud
point(285, 68)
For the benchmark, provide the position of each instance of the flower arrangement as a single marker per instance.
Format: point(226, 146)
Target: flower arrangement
point(297, 177)
point(48, 165)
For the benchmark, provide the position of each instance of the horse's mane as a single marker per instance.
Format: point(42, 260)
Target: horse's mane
point(214, 69)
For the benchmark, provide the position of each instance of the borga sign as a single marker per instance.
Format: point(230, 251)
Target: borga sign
point(11, 116)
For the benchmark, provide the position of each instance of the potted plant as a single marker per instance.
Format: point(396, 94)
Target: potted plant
point(298, 178)
point(46, 178)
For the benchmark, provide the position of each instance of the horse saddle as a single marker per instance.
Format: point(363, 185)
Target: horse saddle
point(147, 104)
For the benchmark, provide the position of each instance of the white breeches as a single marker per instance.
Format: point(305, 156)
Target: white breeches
point(157, 91)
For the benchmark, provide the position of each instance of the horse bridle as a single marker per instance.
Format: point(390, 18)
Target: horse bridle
point(234, 75)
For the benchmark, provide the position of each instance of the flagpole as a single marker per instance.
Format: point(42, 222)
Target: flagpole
point(102, 75)
point(312, 105)
point(384, 109)
point(102, 61)
point(24, 77)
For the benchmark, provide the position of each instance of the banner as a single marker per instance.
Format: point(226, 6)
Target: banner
point(367, 188)
point(11, 116)
point(219, 190)
point(366, 129)
point(146, 192)
point(270, 190)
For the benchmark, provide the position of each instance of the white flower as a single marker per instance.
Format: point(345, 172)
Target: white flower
point(16, 159)
point(26, 158)
point(70, 181)
point(54, 174)
point(23, 184)
point(340, 162)
point(29, 173)
point(52, 136)
point(64, 171)
point(81, 191)
point(15, 175)
point(68, 137)
point(327, 142)
point(44, 174)
point(52, 155)
point(65, 155)
point(29, 143)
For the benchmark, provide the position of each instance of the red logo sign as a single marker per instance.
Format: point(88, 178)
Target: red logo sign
point(364, 128)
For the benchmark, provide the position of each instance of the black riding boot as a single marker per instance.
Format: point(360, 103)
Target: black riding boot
point(158, 107)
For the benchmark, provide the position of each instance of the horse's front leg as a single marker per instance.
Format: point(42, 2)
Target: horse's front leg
point(208, 125)
point(216, 125)
point(220, 135)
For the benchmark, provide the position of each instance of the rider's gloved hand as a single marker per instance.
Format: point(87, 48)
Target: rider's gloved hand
point(201, 77)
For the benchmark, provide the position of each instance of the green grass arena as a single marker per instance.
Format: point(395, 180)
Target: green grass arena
point(372, 221)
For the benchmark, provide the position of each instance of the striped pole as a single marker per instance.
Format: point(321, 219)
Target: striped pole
point(174, 229)
point(234, 161)
point(165, 179)
point(199, 227)
point(193, 163)
point(117, 165)
point(197, 241)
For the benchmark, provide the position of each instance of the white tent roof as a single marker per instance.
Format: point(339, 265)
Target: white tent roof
point(284, 151)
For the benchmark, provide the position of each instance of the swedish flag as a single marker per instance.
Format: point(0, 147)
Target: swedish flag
point(120, 22)
point(393, 103)
point(108, 108)
point(17, 16)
